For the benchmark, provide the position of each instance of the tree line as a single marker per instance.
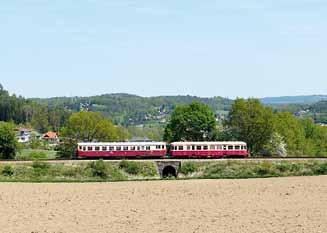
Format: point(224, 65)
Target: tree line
point(267, 132)
point(28, 113)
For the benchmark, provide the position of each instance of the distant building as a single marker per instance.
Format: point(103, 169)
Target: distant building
point(51, 137)
point(23, 135)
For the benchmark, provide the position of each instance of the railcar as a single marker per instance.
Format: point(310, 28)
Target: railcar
point(121, 150)
point(208, 149)
point(177, 150)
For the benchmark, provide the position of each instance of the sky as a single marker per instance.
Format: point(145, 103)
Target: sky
point(235, 48)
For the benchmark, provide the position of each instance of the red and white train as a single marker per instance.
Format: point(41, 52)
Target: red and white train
point(90, 150)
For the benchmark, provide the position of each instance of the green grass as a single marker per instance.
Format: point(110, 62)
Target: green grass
point(36, 154)
point(101, 171)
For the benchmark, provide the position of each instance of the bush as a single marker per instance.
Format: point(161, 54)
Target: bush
point(188, 168)
point(320, 168)
point(35, 144)
point(146, 169)
point(264, 169)
point(40, 168)
point(66, 149)
point(7, 171)
point(130, 167)
point(98, 169)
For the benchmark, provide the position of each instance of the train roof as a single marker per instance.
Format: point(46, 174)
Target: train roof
point(208, 143)
point(120, 143)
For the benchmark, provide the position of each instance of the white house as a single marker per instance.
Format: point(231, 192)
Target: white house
point(23, 135)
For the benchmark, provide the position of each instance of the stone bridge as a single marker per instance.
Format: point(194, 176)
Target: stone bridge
point(168, 168)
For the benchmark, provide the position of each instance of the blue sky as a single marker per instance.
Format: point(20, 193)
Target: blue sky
point(149, 47)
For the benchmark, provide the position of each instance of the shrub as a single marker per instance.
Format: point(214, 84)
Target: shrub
point(40, 168)
point(148, 169)
point(320, 168)
point(263, 169)
point(98, 169)
point(282, 167)
point(130, 167)
point(188, 168)
point(7, 171)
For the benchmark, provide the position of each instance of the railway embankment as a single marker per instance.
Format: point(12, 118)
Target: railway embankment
point(110, 171)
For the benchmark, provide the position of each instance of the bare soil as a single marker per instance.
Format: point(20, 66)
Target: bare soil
point(296, 205)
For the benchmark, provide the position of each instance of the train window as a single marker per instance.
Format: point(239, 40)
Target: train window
point(84, 148)
point(237, 147)
point(220, 147)
point(125, 148)
point(188, 147)
point(230, 147)
point(132, 147)
point(163, 146)
point(212, 147)
point(225, 147)
point(111, 148)
point(180, 148)
point(118, 148)
point(97, 148)
point(80, 148)
point(147, 148)
point(138, 148)
point(90, 148)
point(205, 147)
point(198, 147)
point(158, 147)
point(104, 148)
point(245, 147)
point(193, 147)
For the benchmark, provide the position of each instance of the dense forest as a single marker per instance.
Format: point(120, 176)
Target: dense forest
point(28, 113)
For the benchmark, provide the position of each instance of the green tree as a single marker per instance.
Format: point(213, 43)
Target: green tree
point(193, 122)
point(88, 127)
point(291, 131)
point(40, 119)
point(85, 127)
point(8, 142)
point(251, 122)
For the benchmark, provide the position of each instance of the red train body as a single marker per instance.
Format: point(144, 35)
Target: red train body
point(208, 149)
point(122, 150)
point(160, 150)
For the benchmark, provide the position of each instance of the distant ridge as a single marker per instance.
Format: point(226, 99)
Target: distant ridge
point(131, 109)
point(302, 99)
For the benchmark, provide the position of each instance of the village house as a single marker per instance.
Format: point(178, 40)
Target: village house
point(51, 137)
point(23, 135)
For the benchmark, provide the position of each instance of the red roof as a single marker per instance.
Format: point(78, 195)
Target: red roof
point(50, 135)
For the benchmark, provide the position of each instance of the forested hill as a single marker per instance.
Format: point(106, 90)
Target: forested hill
point(303, 99)
point(129, 109)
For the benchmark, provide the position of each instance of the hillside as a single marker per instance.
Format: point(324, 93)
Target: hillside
point(126, 109)
point(129, 109)
point(304, 99)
